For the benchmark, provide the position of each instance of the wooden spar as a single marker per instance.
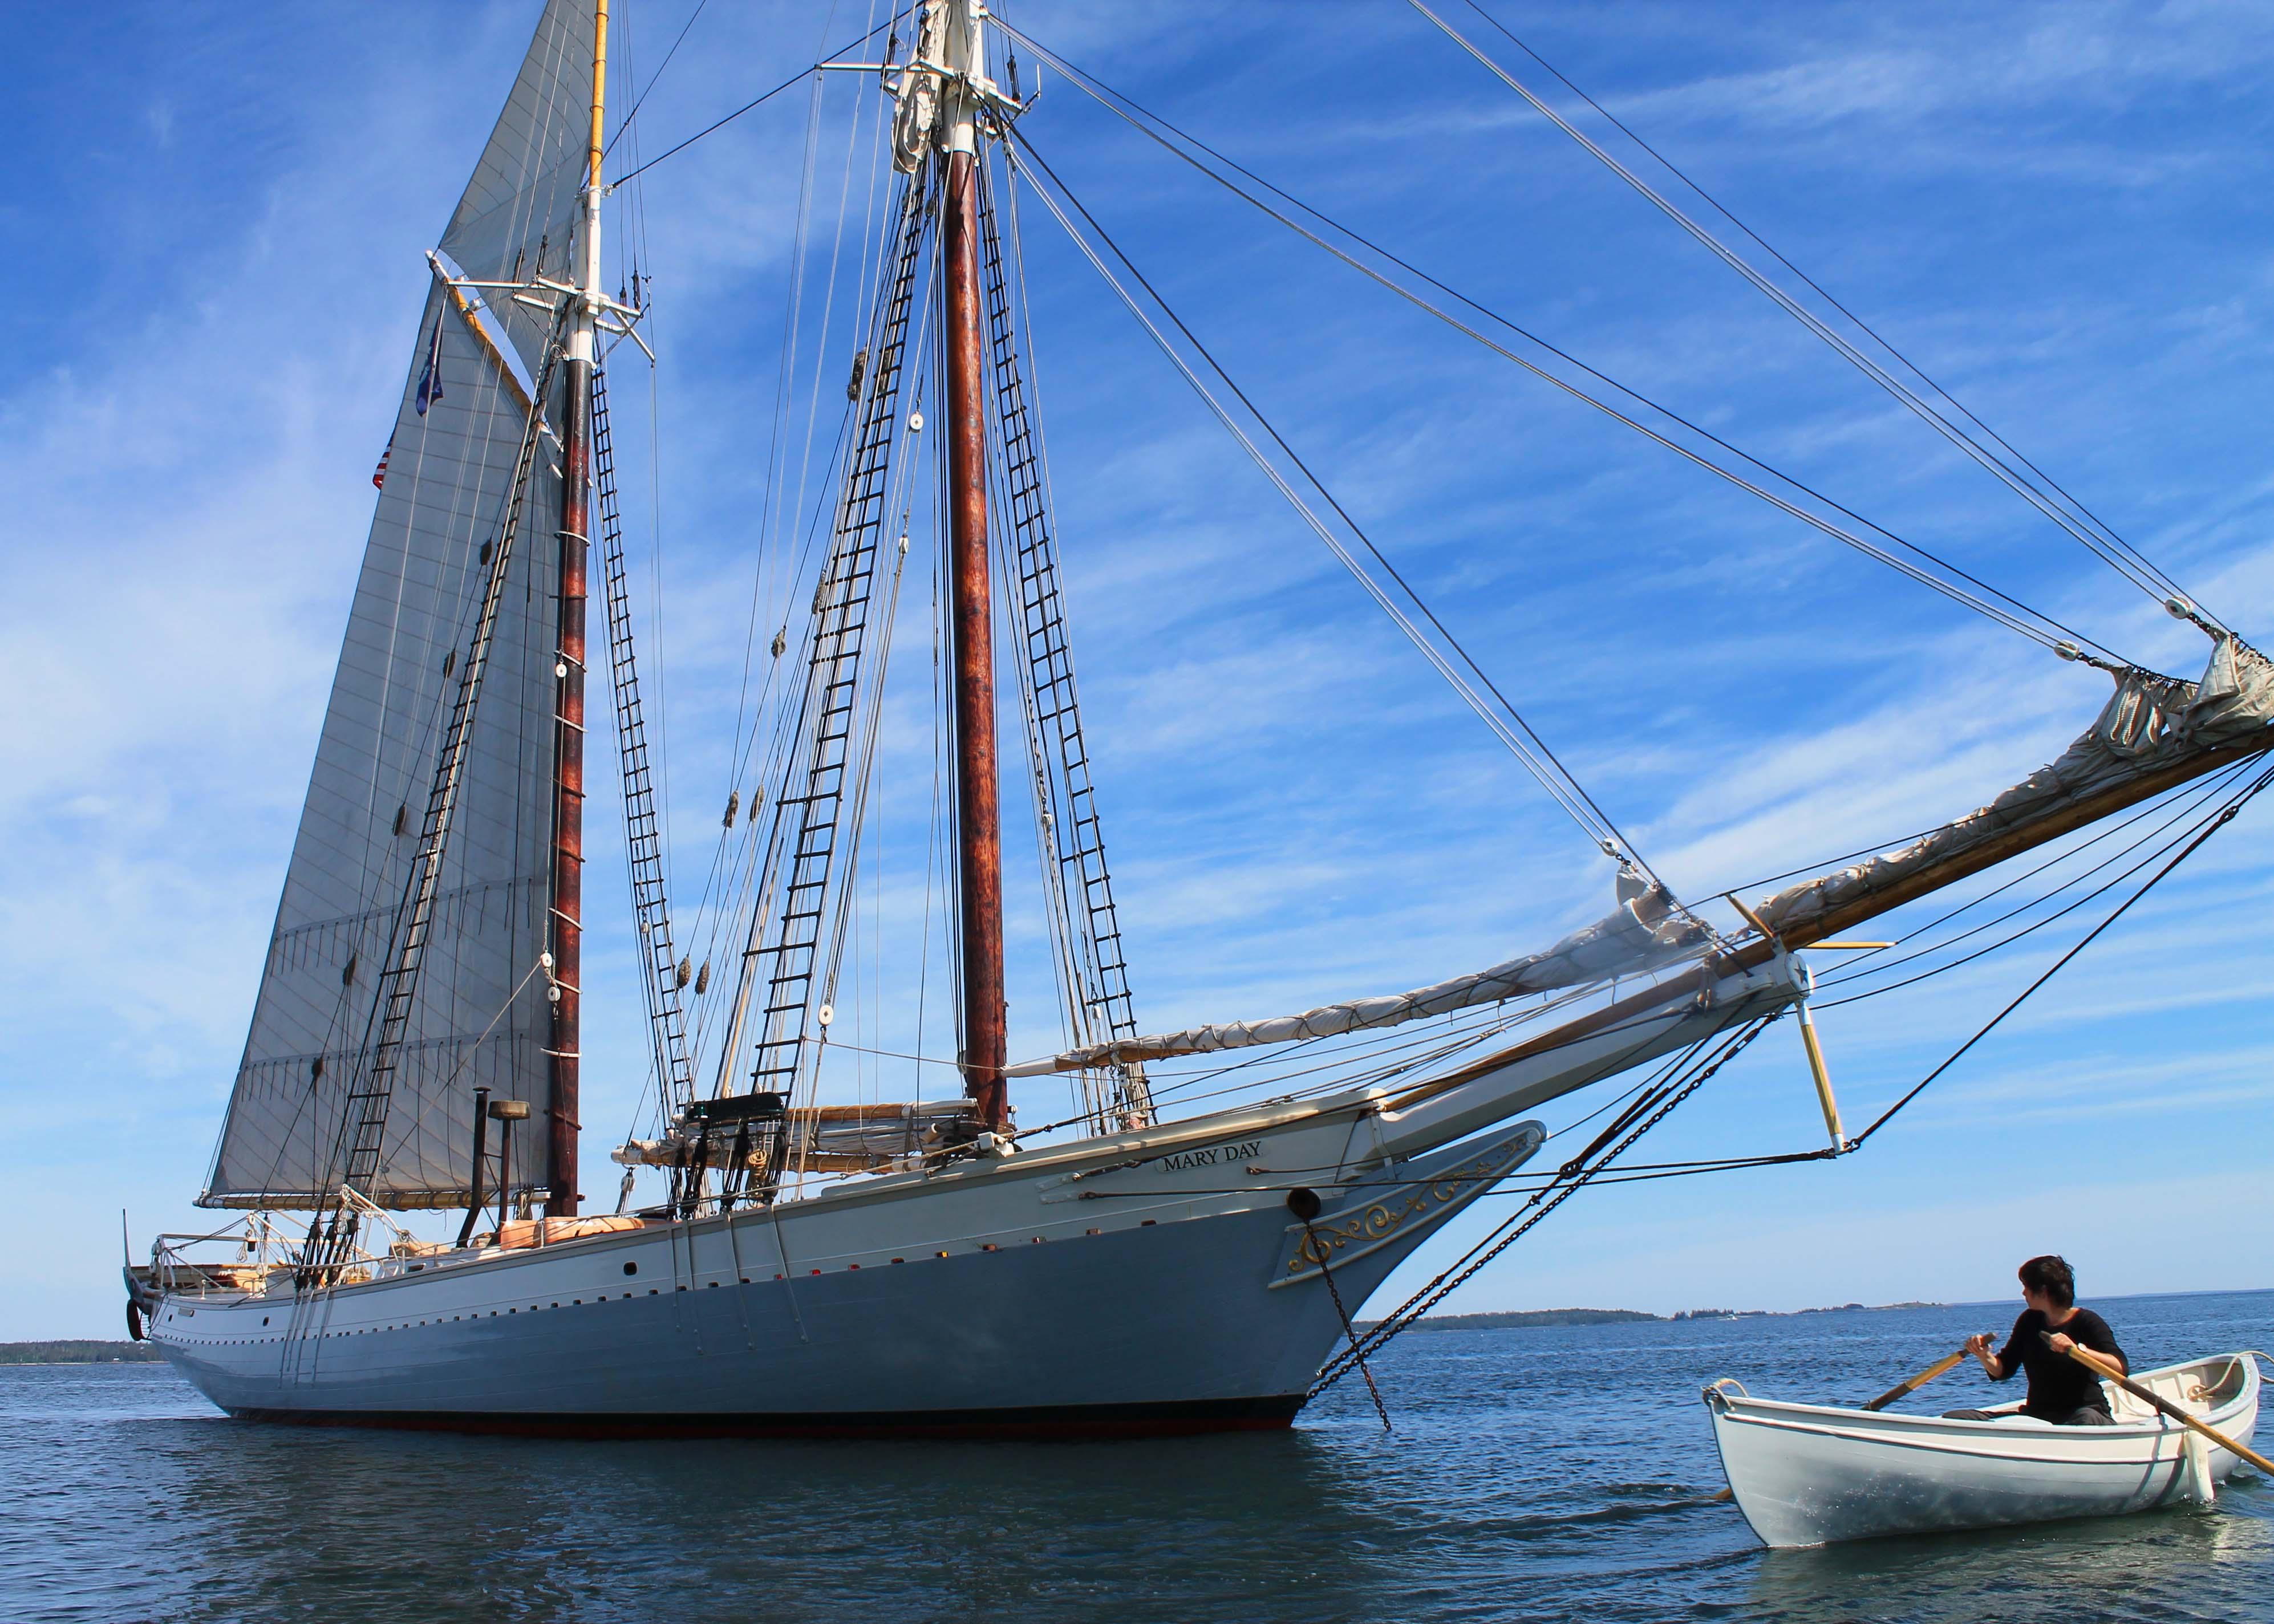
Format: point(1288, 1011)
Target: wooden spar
point(979, 834)
point(1932, 877)
point(565, 1050)
point(1809, 1042)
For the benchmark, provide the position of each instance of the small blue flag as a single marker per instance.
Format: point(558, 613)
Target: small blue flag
point(430, 381)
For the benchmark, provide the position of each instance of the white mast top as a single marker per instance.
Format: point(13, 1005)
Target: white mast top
point(589, 300)
point(945, 83)
point(967, 60)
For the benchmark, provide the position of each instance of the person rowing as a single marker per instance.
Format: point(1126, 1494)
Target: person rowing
point(2061, 1391)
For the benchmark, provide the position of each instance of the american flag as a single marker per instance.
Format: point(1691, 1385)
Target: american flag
point(379, 474)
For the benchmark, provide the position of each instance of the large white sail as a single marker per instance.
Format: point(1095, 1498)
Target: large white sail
point(480, 1016)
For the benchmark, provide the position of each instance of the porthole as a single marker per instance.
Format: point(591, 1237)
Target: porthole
point(631, 1269)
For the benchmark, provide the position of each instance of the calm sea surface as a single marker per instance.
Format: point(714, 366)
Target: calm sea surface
point(1544, 1474)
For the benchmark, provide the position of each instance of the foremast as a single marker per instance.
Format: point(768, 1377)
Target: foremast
point(955, 24)
point(566, 913)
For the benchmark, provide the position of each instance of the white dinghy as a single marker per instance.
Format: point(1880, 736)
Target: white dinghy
point(1810, 1474)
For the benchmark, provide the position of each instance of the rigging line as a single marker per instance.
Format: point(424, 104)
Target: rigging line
point(2062, 914)
point(1825, 865)
point(1605, 826)
point(1548, 1197)
point(1640, 1173)
point(1375, 1049)
point(1573, 1176)
point(1871, 369)
point(1338, 1074)
point(1371, 1054)
point(2218, 821)
point(1092, 89)
point(1559, 783)
point(1733, 1164)
point(1876, 336)
point(640, 101)
point(1870, 964)
point(474, 1047)
point(788, 566)
point(769, 544)
point(738, 112)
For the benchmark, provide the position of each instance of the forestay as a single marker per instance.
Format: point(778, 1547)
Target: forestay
point(480, 1016)
point(1645, 931)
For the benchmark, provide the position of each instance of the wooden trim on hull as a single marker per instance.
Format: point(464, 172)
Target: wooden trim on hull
point(1182, 1418)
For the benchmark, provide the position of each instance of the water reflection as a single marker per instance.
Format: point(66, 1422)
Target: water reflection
point(1553, 1475)
point(2186, 1562)
point(432, 1527)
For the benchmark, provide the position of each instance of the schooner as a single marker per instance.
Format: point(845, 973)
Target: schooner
point(807, 1265)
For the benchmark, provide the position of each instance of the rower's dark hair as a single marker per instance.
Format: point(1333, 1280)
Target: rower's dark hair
point(2053, 1277)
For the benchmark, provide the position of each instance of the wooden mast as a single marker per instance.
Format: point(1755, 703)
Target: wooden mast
point(978, 816)
point(565, 1050)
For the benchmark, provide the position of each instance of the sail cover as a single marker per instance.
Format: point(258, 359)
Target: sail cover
point(481, 1014)
point(2152, 724)
point(1644, 932)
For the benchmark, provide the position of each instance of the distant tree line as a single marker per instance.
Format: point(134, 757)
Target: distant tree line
point(1530, 1316)
point(75, 1351)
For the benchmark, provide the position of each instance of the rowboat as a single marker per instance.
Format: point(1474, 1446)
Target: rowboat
point(1814, 1474)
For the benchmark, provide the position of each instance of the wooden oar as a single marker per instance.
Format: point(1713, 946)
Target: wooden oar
point(1904, 1389)
point(2094, 1362)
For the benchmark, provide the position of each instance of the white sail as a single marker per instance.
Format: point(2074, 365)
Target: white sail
point(481, 1013)
point(1644, 932)
point(2151, 724)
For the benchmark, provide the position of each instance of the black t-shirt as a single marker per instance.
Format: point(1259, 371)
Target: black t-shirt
point(2058, 1386)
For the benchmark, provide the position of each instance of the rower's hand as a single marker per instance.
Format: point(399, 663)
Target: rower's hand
point(2061, 1342)
point(1979, 1345)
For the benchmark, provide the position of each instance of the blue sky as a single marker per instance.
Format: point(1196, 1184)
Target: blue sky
point(2060, 211)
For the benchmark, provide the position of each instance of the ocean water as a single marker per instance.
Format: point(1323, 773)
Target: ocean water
point(1557, 1473)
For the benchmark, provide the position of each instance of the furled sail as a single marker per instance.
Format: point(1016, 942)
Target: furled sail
point(480, 1017)
point(1645, 931)
point(2152, 728)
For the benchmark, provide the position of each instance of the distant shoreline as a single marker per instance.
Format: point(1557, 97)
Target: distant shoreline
point(79, 1350)
point(1520, 1319)
point(1529, 1319)
point(83, 1351)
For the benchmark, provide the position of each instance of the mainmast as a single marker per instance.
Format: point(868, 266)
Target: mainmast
point(979, 832)
point(567, 905)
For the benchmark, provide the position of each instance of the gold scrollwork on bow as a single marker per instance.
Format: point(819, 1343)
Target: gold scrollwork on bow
point(1379, 1218)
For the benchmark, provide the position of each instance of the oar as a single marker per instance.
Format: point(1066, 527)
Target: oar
point(1882, 1401)
point(1905, 1389)
point(2093, 1362)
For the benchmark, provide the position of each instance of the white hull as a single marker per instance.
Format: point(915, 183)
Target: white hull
point(1149, 1281)
point(1810, 1475)
point(1135, 1298)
